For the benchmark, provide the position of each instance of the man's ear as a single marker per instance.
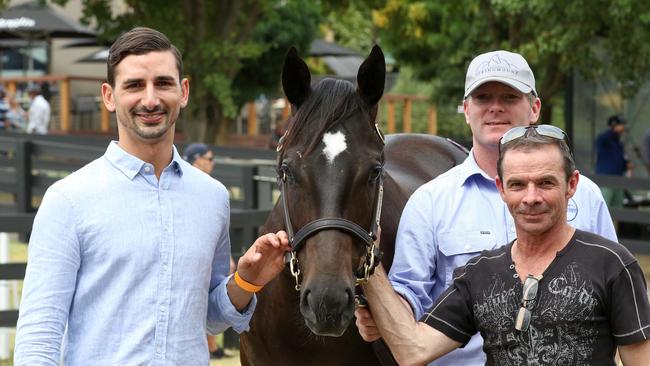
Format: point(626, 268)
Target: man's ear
point(185, 90)
point(536, 110)
point(466, 111)
point(572, 184)
point(108, 97)
point(499, 184)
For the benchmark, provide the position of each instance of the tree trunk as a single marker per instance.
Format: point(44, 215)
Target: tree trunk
point(215, 133)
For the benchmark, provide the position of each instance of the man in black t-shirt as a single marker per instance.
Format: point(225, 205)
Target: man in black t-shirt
point(553, 296)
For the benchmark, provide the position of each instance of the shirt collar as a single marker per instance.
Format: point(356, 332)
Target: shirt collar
point(130, 165)
point(469, 168)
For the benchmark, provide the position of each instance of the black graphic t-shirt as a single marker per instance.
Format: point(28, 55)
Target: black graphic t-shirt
point(592, 298)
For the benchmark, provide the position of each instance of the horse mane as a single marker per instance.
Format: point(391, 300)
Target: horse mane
point(330, 102)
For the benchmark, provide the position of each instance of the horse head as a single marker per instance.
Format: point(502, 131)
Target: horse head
point(330, 165)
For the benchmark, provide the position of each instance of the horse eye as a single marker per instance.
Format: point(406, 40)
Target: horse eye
point(375, 173)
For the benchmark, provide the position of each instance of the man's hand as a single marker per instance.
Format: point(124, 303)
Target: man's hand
point(366, 325)
point(258, 266)
point(264, 259)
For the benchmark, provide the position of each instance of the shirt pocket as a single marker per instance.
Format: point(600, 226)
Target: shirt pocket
point(460, 246)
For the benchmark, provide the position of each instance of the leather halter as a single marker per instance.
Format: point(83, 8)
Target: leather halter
point(372, 255)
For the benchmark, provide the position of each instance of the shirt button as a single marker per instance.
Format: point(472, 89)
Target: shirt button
point(147, 169)
point(158, 349)
point(468, 247)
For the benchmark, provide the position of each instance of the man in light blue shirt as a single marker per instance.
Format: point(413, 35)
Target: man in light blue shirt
point(460, 213)
point(131, 252)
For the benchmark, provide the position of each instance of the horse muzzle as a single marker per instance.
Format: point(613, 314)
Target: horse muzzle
point(327, 309)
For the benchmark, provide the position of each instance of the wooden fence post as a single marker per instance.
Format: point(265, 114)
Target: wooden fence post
point(105, 117)
point(407, 115)
point(433, 119)
point(64, 110)
point(286, 111)
point(390, 116)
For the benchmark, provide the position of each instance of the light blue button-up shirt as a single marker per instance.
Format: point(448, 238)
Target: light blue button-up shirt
point(451, 219)
point(136, 267)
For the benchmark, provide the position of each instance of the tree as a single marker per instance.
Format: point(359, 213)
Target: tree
point(232, 49)
point(599, 39)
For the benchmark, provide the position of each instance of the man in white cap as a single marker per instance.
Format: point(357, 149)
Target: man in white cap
point(452, 218)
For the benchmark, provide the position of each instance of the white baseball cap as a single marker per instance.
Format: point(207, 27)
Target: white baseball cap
point(505, 67)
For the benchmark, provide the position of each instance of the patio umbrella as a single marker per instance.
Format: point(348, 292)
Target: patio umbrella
point(98, 56)
point(38, 21)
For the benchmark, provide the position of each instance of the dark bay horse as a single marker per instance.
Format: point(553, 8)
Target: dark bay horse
point(333, 165)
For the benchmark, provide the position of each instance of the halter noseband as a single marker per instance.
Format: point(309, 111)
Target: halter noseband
point(372, 255)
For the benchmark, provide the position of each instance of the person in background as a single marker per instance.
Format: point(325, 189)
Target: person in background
point(39, 112)
point(16, 115)
point(129, 255)
point(555, 295)
point(201, 157)
point(611, 158)
point(4, 108)
point(455, 216)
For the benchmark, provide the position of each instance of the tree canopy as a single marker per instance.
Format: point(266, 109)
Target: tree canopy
point(232, 50)
point(596, 38)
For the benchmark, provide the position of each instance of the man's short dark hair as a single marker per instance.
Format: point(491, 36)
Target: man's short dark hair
point(535, 141)
point(139, 41)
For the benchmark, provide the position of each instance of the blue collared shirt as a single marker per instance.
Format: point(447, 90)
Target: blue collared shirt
point(451, 219)
point(136, 267)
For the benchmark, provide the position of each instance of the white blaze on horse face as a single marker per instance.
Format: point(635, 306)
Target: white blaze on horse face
point(334, 145)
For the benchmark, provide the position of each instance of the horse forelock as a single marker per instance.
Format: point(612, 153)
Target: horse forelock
point(330, 103)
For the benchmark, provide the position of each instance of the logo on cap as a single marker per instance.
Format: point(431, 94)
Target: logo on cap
point(496, 64)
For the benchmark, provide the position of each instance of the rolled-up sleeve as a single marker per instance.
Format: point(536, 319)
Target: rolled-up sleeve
point(221, 312)
point(53, 264)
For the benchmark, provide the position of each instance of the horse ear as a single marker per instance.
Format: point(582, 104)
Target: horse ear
point(372, 76)
point(296, 79)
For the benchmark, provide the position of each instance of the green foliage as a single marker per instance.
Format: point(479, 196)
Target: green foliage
point(232, 50)
point(292, 24)
point(439, 38)
point(351, 25)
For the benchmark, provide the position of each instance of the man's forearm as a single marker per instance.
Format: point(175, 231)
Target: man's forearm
point(411, 342)
point(238, 297)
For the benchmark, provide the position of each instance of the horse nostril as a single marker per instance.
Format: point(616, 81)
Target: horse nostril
point(305, 298)
point(350, 296)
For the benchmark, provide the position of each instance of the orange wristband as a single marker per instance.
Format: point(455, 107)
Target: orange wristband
point(245, 285)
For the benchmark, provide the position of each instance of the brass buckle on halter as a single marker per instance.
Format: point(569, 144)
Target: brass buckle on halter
point(295, 271)
point(368, 266)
